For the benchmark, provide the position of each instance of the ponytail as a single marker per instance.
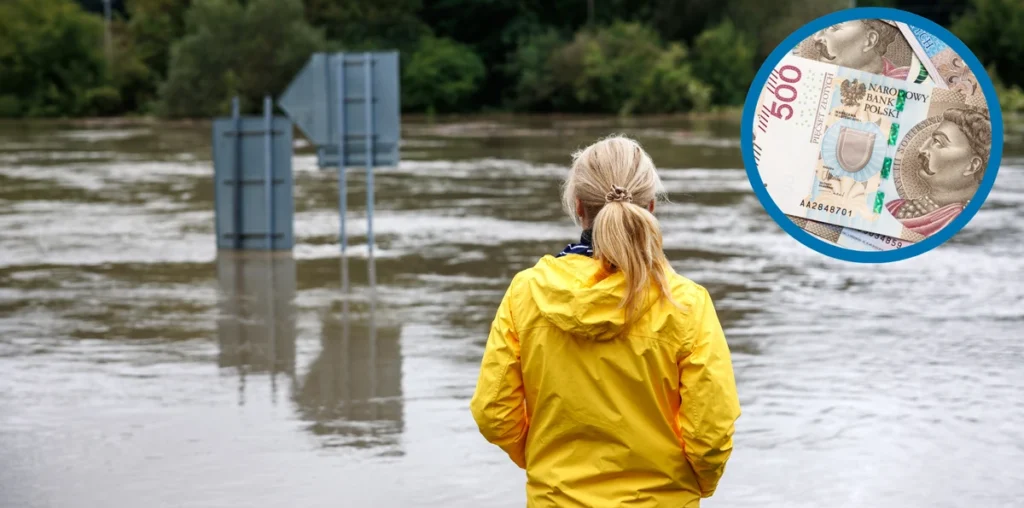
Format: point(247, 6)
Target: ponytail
point(627, 238)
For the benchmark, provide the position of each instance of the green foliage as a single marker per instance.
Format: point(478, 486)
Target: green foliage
point(621, 68)
point(51, 58)
point(10, 106)
point(220, 56)
point(670, 86)
point(143, 49)
point(441, 76)
point(531, 64)
point(768, 22)
point(189, 57)
point(1011, 98)
point(603, 67)
point(359, 25)
point(153, 26)
point(992, 29)
point(104, 100)
point(725, 60)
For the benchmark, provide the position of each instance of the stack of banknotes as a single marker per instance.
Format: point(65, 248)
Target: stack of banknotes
point(872, 135)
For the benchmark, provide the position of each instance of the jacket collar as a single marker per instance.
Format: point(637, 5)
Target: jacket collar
point(583, 248)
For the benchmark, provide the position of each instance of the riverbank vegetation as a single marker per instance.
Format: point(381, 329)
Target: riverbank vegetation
point(187, 58)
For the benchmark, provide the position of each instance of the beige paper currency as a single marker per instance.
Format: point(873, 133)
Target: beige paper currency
point(860, 150)
point(946, 67)
point(869, 45)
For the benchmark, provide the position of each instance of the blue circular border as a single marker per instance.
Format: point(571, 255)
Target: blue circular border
point(832, 250)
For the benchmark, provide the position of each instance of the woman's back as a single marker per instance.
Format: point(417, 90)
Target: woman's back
point(609, 392)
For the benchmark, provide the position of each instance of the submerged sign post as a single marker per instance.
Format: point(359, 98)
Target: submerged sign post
point(347, 104)
point(252, 161)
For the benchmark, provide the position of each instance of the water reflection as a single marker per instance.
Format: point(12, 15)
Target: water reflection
point(352, 393)
point(256, 329)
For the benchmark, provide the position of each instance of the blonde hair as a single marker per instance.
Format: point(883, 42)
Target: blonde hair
point(616, 180)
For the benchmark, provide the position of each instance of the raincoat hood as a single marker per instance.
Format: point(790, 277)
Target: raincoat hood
point(582, 298)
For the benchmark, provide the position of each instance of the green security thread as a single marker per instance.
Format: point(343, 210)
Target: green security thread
point(901, 100)
point(894, 129)
point(886, 167)
point(922, 75)
point(878, 201)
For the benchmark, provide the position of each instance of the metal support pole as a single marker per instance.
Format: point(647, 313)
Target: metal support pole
point(107, 43)
point(342, 190)
point(373, 354)
point(236, 119)
point(370, 131)
point(268, 192)
point(268, 167)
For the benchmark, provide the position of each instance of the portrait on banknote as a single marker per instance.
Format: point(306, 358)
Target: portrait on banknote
point(939, 167)
point(869, 45)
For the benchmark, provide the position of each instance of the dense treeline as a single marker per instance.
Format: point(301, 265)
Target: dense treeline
point(187, 58)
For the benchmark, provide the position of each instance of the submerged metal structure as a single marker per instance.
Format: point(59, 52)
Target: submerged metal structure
point(252, 165)
point(347, 105)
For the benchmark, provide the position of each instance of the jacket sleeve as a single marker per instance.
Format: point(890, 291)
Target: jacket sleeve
point(709, 404)
point(499, 402)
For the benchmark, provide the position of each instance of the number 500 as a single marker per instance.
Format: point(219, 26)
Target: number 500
point(785, 109)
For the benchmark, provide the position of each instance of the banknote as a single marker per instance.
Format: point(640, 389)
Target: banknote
point(870, 45)
point(827, 232)
point(945, 66)
point(862, 240)
point(849, 238)
point(860, 150)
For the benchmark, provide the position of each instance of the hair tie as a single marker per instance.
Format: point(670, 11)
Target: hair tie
point(618, 194)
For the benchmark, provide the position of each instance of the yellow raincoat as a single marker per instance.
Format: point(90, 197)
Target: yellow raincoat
point(597, 418)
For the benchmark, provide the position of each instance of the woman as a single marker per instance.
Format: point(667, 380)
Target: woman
point(606, 375)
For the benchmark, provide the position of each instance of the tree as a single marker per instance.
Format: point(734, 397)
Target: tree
point(441, 75)
point(219, 56)
point(369, 24)
point(153, 26)
point(768, 23)
point(725, 60)
point(992, 29)
point(51, 60)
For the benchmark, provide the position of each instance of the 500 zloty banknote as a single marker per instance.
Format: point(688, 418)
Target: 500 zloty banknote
point(871, 45)
point(857, 149)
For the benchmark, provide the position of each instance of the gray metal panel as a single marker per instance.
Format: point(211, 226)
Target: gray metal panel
point(311, 100)
point(251, 201)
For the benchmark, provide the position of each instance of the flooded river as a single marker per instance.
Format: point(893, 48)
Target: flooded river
point(140, 368)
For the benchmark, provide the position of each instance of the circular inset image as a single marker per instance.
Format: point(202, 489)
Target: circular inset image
point(872, 135)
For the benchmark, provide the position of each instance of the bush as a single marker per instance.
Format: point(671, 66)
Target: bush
point(602, 68)
point(102, 101)
point(142, 47)
point(10, 106)
point(442, 75)
point(1011, 98)
point(622, 68)
point(51, 53)
point(228, 49)
point(535, 87)
point(725, 61)
point(670, 86)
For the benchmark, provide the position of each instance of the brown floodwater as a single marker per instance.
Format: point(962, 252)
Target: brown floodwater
point(140, 367)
